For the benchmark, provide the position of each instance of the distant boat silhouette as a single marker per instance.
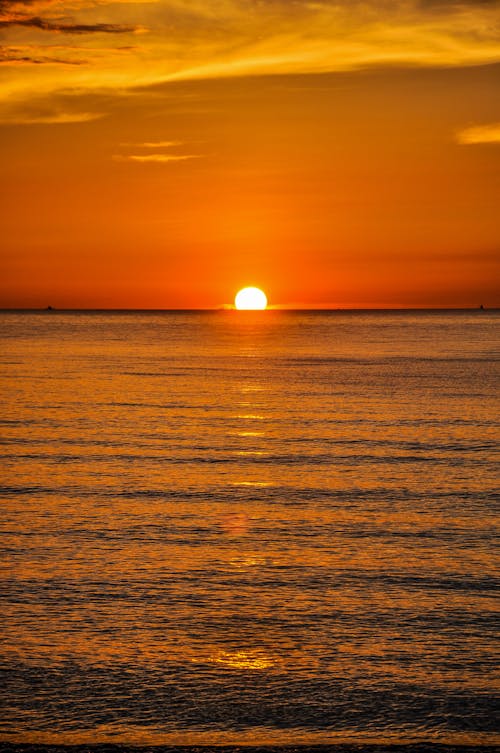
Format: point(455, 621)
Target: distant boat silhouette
point(49, 308)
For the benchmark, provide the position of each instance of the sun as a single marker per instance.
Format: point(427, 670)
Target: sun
point(250, 299)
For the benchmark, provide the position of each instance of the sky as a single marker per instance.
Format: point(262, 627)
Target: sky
point(165, 153)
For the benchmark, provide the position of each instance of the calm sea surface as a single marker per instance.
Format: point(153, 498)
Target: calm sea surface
point(230, 527)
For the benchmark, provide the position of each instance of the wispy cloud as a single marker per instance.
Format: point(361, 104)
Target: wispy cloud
point(452, 5)
point(161, 157)
point(154, 157)
point(482, 134)
point(67, 28)
point(60, 117)
point(155, 144)
point(159, 144)
point(197, 39)
point(28, 55)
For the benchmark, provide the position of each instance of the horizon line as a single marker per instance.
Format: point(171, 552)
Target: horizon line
point(227, 308)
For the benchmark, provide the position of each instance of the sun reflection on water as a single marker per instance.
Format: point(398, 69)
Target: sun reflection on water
point(254, 416)
point(251, 452)
point(242, 660)
point(242, 562)
point(251, 483)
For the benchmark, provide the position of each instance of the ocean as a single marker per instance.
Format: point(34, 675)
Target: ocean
point(264, 528)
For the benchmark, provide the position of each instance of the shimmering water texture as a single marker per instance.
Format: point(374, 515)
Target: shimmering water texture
point(249, 527)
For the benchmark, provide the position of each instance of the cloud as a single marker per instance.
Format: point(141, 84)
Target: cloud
point(68, 28)
point(51, 8)
point(154, 157)
point(28, 55)
point(52, 16)
point(159, 144)
point(483, 134)
point(155, 144)
point(239, 37)
point(59, 117)
point(451, 5)
point(200, 39)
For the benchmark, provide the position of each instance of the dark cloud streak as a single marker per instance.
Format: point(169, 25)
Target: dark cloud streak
point(11, 56)
point(36, 22)
point(453, 5)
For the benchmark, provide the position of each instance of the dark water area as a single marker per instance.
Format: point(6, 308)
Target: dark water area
point(339, 748)
point(245, 529)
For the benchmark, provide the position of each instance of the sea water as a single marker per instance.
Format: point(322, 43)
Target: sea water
point(232, 527)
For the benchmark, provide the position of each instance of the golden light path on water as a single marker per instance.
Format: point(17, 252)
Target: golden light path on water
point(249, 529)
point(243, 660)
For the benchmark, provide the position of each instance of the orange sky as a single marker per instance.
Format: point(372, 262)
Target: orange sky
point(163, 154)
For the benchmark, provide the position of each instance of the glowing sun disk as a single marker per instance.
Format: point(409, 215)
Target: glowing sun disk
point(250, 299)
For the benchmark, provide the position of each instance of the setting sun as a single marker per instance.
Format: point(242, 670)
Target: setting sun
point(250, 299)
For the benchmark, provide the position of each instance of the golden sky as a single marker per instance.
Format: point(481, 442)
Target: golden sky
point(163, 154)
